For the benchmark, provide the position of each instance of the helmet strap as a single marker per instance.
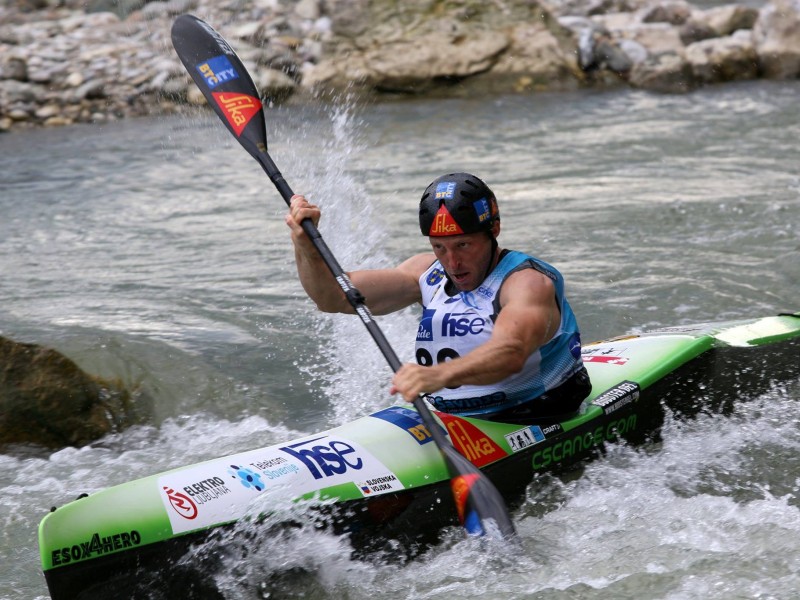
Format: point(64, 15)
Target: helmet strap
point(490, 266)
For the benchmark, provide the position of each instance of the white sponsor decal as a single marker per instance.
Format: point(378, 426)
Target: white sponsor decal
point(523, 438)
point(221, 490)
point(380, 485)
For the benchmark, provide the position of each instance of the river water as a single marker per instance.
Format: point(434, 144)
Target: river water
point(155, 251)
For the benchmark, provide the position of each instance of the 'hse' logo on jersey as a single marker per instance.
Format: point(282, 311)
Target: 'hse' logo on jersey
point(461, 324)
point(217, 71)
point(452, 325)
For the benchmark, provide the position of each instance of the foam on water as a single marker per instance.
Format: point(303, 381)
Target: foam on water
point(155, 251)
point(688, 518)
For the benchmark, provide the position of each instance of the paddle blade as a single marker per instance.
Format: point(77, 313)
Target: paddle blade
point(481, 508)
point(223, 80)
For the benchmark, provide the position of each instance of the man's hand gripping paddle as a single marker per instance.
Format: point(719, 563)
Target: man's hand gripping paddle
point(230, 91)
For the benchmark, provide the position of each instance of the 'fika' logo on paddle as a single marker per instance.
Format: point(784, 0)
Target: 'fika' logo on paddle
point(237, 108)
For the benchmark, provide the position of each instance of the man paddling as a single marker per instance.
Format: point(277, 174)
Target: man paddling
point(497, 338)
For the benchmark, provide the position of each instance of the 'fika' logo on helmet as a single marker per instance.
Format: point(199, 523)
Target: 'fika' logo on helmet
point(444, 224)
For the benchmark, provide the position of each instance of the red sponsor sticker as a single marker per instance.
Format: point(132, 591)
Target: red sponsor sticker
point(182, 504)
point(470, 441)
point(444, 224)
point(609, 360)
point(238, 109)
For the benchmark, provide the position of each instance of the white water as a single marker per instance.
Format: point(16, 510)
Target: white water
point(155, 251)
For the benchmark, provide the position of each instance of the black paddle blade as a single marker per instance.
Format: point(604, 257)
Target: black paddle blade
point(481, 508)
point(223, 80)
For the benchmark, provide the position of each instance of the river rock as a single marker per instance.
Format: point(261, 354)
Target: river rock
point(777, 39)
point(419, 47)
point(666, 72)
point(103, 60)
point(47, 400)
point(724, 59)
point(727, 19)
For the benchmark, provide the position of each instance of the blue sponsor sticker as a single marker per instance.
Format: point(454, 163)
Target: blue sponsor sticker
point(482, 209)
point(406, 419)
point(486, 292)
point(434, 276)
point(445, 190)
point(425, 329)
point(575, 345)
point(217, 70)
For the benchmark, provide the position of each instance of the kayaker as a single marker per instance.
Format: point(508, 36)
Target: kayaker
point(497, 338)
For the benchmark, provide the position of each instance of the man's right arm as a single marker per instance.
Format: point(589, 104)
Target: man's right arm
point(385, 290)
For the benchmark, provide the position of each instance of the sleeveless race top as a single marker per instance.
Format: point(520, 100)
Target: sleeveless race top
point(452, 326)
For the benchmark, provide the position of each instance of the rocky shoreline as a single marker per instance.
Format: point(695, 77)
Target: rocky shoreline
point(65, 61)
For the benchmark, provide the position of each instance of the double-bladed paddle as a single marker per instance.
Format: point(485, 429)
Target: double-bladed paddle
point(230, 91)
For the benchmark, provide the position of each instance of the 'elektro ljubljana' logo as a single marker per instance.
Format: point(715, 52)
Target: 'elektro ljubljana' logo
point(182, 504)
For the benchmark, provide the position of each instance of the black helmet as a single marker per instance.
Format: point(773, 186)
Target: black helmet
point(455, 204)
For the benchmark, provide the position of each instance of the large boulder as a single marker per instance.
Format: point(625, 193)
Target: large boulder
point(47, 400)
point(777, 38)
point(420, 46)
point(724, 59)
point(667, 73)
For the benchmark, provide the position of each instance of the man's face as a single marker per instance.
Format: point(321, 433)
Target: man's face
point(465, 257)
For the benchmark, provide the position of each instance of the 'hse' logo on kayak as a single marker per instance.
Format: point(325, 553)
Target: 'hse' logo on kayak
point(217, 71)
point(334, 457)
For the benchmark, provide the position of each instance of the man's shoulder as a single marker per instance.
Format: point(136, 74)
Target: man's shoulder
point(419, 263)
point(526, 284)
